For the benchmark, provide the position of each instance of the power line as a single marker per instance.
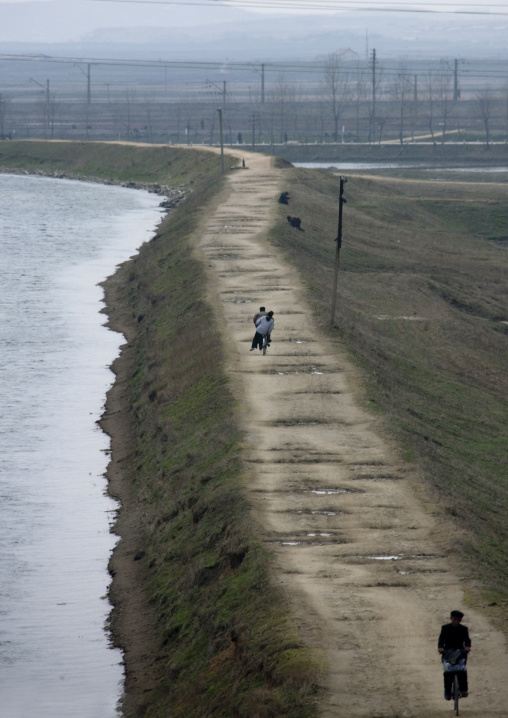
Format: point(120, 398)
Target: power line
point(311, 67)
point(327, 5)
point(387, 69)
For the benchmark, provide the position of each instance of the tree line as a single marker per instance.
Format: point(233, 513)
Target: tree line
point(335, 101)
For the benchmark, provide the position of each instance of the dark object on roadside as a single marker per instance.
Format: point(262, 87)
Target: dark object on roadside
point(284, 198)
point(295, 222)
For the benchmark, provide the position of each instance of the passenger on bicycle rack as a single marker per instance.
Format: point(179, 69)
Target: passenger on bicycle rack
point(264, 327)
point(454, 644)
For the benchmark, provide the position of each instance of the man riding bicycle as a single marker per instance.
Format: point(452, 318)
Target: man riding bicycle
point(454, 644)
point(264, 327)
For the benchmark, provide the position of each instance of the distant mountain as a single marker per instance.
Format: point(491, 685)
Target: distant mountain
point(170, 32)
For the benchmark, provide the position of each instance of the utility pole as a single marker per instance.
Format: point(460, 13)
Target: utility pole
point(46, 104)
point(224, 93)
point(263, 84)
point(506, 140)
point(374, 92)
point(219, 110)
point(456, 91)
point(338, 240)
point(88, 86)
point(253, 129)
point(415, 118)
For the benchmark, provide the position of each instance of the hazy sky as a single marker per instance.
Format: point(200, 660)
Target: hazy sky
point(39, 21)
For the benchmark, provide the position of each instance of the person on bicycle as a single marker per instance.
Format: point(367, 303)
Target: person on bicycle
point(264, 327)
point(257, 315)
point(454, 636)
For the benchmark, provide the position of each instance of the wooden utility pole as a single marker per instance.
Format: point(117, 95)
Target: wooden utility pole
point(219, 110)
point(338, 240)
point(415, 109)
point(88, 86)
point(374, 92)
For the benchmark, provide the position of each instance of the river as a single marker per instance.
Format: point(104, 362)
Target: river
point(424, 167)
point(58, 239)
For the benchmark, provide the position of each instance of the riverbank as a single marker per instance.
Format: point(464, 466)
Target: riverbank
point(215, 635)
point(202, 625)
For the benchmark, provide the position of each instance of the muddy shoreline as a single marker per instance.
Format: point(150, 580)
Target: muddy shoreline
point(132, 619)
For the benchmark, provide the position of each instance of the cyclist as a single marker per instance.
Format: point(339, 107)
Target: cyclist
point(454, 636)
point(257, 315)
point(264, 327)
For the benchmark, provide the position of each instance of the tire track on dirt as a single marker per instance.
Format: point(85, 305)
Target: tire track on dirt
point(364, 565)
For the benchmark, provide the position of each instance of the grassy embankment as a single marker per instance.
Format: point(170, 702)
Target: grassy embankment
point(422, 299)
point(224, 641)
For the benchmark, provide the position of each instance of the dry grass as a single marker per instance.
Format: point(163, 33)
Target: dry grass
point(422, 298)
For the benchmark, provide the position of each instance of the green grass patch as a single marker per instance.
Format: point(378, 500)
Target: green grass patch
point(111, 162)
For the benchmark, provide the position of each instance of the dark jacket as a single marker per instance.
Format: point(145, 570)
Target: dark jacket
point(453, 637)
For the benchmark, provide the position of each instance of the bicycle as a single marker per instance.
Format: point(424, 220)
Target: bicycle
point(454, 661)
point(455, 694)
point(265, 343)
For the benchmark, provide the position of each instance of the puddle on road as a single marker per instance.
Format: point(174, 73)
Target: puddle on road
point(311, 539)
point(224, 255)
point(298, 422)
point(303, 370)
point(395, 557)
point(316, 512)
point(331, 491)
point(378, 477)
point(297, 341)
point(327, 513)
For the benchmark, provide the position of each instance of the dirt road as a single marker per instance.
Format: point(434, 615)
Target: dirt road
point(364, 563)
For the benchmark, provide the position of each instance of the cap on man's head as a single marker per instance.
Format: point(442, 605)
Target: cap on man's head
point(456, 614)
point(261, 309)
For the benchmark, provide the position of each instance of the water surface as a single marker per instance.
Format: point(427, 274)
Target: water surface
point(58, 239)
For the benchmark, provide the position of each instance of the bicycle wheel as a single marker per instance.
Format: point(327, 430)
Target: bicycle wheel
point(264, 344)
point(456, 694)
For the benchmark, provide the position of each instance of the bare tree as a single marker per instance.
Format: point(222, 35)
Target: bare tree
point(149, 107)
point(444, 99)
point(47, 110)
point(485, 103)
point(336, 90)
point(3, 113)
point(282, 98)
point(403, 91)
point(429, 102)
point(398, 89)
point(361, 94)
